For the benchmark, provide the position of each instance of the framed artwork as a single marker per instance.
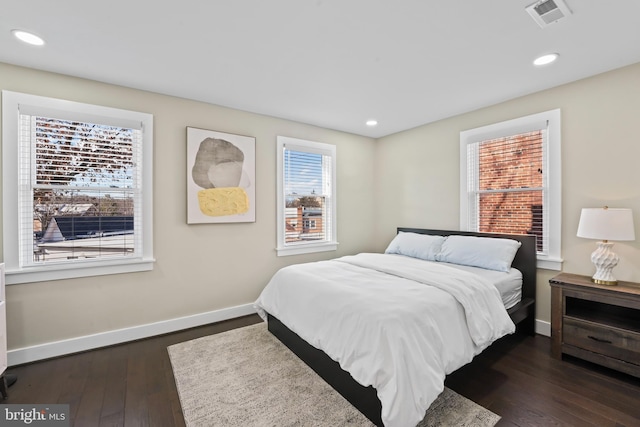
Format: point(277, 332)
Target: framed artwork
point(221, 172)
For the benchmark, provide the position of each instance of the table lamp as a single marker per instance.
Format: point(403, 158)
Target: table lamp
point(605, 224)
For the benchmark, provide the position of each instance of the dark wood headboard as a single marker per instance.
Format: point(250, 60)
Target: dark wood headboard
point(523, 314)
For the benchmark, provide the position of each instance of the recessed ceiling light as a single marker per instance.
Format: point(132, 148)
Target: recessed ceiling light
point(27, 37)
point(546, 59)
point(372, 122)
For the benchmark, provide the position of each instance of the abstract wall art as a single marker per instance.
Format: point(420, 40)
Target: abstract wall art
point(220, 177)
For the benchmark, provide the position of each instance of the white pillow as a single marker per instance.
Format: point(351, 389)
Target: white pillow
point(484, 252)
point(415, 245)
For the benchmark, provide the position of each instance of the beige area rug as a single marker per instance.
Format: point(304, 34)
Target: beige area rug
point(246, 377)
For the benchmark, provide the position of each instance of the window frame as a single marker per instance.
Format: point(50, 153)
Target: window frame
point(331, 243)
point(551, 120)
point(12, 104)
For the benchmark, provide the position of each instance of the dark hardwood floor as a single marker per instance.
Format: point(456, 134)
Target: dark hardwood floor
point(519, 380)
point(132, 384)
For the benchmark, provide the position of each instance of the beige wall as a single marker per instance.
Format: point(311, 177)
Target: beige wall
point(200, 268)
point(415, 176)
point(417, 173)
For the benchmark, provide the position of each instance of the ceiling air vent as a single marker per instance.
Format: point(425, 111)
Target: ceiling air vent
point(546, 12)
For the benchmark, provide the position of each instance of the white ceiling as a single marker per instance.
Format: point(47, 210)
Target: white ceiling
point(330, 63)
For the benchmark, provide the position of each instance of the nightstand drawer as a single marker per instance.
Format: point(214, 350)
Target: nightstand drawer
point(605, 340)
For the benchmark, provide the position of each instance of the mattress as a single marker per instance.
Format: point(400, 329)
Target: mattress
point(509, 284)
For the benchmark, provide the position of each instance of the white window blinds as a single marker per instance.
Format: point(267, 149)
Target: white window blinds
point(306, 195)
point(507, 186)
point(80, 190)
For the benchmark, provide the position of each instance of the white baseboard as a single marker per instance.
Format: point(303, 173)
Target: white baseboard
point(103, 339)
point(543, 328)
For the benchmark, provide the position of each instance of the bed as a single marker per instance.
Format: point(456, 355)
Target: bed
point(354, 335)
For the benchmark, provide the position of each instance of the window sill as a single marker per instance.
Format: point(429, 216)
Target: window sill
point(58, 272)
point(306, 249)
point(548, 263)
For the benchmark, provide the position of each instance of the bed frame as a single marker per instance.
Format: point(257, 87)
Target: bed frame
point(365, 399)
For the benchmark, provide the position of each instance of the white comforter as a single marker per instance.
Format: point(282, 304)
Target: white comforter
point(397, 323)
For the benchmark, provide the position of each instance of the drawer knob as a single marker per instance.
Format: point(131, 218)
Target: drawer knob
point(599, 339)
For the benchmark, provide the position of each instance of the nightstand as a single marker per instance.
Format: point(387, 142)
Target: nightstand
point(597, 323)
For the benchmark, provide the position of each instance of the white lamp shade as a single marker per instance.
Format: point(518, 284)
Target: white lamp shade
point(606, 224)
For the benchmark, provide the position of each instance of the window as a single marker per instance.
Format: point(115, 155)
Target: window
point(77, 189)
point(510, 181)
point(306, 197)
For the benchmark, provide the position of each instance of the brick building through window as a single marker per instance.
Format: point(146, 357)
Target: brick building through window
point(510, 185)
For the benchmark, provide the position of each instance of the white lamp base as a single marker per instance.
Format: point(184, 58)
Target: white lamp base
point(604, 259)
